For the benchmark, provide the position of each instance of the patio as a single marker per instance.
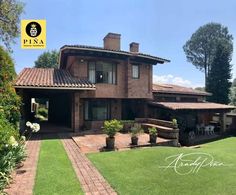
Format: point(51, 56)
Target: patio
point(94, 141)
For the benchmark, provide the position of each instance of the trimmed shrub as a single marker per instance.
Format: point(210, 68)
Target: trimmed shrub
point(43, 112)
point(112, 127)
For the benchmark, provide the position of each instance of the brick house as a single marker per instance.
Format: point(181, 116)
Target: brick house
point(92, 84)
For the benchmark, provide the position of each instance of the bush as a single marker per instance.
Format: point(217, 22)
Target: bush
point(9, 101)
point(43, 112)
point(136, 130)
point(112, 127)
point(152, 131)
point(6, 131)
point(12, 150)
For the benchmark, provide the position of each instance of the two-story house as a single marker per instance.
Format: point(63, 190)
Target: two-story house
point(92, 84)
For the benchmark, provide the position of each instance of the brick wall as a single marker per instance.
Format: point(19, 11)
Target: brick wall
point(126, 86)
point(140, 88)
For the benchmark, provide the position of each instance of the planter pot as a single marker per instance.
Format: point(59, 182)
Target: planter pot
point(134, 140)
point(153, 139)
point(110, 143)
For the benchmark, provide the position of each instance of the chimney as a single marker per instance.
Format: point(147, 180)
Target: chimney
point(134, 47)
point(112, 41)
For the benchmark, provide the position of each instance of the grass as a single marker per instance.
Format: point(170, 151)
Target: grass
point(138, 171)
point(55, 174)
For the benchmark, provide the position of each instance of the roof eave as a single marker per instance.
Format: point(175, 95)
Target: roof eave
point(57, 88)
point(179, 93)
point(156, 59)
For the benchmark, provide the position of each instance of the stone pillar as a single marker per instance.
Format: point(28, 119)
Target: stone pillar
point(223, 122)
point(76, 112)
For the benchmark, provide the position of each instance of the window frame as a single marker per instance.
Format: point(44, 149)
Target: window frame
point(114, 68)
point(138, 65)
point(89, 101)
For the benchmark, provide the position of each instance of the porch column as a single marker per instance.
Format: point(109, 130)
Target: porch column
point(76, 112)
point(223, 122)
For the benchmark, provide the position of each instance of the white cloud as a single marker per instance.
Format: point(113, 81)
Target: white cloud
point(176, 80)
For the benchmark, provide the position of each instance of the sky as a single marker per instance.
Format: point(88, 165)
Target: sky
point(160, 27)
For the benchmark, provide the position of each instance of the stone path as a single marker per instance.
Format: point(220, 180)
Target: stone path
point(23, 178)
point(92, 182)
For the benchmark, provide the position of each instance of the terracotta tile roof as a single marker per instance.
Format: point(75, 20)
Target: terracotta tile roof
point(192, 106)
point(175, 89)
point(50, 78)
point(136, 54)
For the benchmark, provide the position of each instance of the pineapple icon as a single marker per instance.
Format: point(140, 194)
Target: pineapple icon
point(33, 30)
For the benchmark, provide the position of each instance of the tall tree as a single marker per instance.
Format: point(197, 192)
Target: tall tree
point(200, 49)
point(9, 100)
point(233, 93)
point(48, 59)
point(220, 75)
point(10, 11)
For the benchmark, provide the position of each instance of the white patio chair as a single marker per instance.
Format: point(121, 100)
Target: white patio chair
point(200, 129)
point(207, 130)
point(211, 129)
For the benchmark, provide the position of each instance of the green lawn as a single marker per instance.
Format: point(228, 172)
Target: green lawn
point(138, 171)
point(55, 174)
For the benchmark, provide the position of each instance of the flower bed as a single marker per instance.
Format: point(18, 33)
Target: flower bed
point(12, 151)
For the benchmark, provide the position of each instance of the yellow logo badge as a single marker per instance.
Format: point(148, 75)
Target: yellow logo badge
point(33, 34)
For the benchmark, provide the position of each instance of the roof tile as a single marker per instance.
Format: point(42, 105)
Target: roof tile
point(175, 89)
point(48, 78)
point(192, 106)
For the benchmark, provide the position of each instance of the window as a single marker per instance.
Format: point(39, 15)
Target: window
point(97, 110)
point(102, 72)
point(135, 71)
point(188, 99)
point(165, 99)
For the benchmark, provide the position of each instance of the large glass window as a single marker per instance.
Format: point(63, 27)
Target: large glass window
point(102, 72)
point(135, 71)
point(97, 110)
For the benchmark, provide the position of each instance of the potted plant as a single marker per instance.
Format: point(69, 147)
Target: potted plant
point(111, 128)
point(152, 135)
point(135, 131)
point(175, 124)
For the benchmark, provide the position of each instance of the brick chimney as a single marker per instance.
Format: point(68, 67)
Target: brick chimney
point(134, 47)
point(112, 41)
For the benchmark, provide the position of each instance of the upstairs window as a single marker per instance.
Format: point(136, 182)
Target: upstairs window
point(135, 71)
point(102, 72)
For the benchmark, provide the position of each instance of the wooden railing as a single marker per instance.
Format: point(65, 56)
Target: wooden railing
point(165, 129)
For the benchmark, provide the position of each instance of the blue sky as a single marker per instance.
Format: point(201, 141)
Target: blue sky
point(161, 28)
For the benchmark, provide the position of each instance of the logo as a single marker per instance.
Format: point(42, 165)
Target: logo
point(33, 34)
point(191, 163)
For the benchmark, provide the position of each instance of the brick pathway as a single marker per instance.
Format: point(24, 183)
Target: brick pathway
point(23, 179)
point(92, 182)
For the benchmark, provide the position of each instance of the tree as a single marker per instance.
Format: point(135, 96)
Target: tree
point(200, 49)
point(9, 100)
point(220, 75)
point(233, 95)
point(47, 59)
point(10, 11)
point(234, 83)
